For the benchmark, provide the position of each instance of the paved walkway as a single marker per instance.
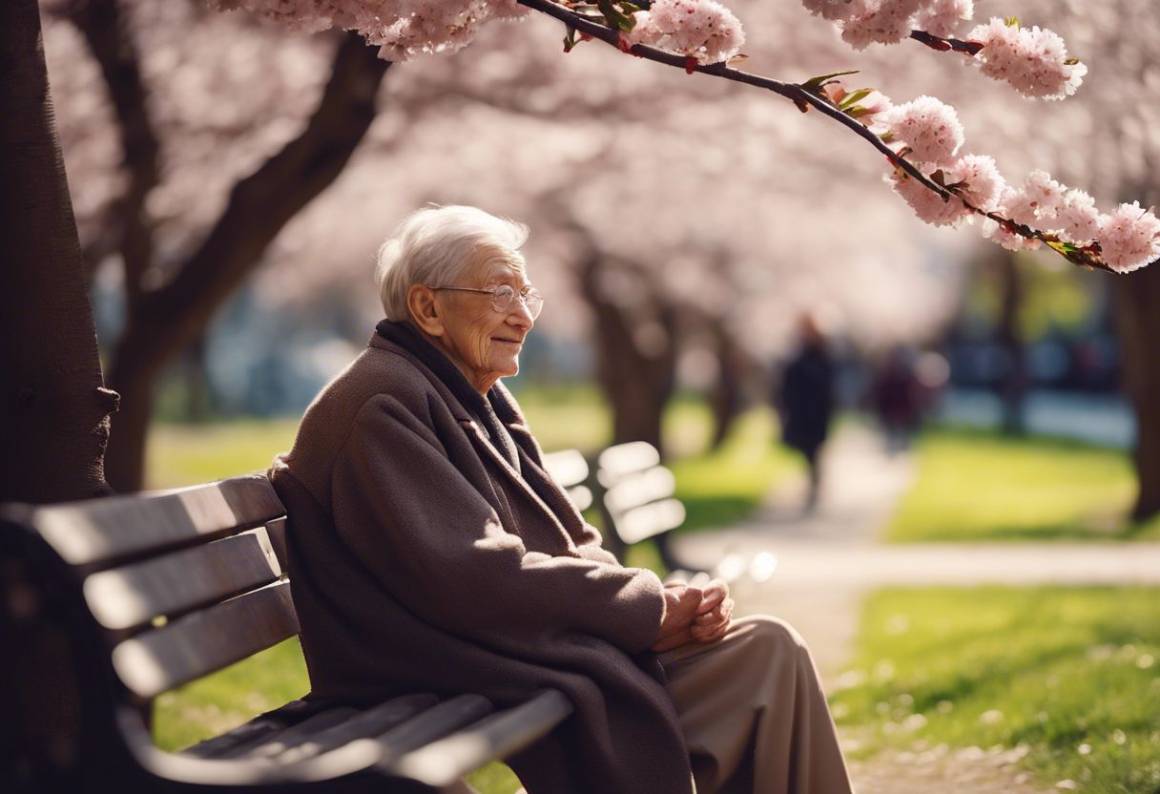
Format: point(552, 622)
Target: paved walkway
point(827, 561)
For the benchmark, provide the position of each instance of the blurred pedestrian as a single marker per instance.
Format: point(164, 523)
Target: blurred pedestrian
point(897, 399)
point(804, 400)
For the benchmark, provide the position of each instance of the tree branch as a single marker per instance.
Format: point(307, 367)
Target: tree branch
point(260, 205)
point(804, 99)
point(106, 32)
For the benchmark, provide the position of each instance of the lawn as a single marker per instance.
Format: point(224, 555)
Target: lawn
point(717, 488)
point(979, 486)
point(1068, 678)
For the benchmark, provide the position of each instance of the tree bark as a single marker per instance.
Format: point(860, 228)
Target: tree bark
point(637, 382)
point(1138, 320)
point(726, 400)
point(1013, 389)
point(165, 320)
point(55, 421)
point(106, 31)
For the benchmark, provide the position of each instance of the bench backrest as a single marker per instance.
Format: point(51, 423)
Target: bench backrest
point(638, 498)
point(570, 471)
point(183, 582)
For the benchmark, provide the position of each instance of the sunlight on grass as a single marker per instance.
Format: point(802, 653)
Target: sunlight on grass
point(1067, 677)
point(975, 486)
point(725, 486)
point(230, 697)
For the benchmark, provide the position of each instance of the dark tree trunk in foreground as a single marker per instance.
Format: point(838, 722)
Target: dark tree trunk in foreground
point(1138, 318)
point(163, 321)
point(636, 367)
point(55, 409)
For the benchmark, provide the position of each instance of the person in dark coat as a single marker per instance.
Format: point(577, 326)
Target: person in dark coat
point(429, 550)
point(805, 401)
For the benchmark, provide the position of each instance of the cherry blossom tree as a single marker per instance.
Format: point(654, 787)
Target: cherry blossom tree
point(175, 94)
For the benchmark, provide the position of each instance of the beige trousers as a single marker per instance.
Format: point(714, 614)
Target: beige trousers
point(754, 714)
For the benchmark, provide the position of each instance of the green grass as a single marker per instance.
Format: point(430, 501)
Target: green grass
point(1071, 676)
point(978, 486)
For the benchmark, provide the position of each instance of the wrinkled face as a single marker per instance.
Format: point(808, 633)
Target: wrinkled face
point(485, 344)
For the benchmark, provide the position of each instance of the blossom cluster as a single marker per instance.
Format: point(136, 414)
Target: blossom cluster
point(701, 29)
point(927, 132)
point(1034, 61)
point(401, 28)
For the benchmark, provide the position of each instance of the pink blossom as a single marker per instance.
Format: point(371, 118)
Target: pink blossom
point(1129, 238)
point(1015, 205)
point(401, 28)
point(1042, 195)
point(890, 23)
point(1077, 218)
point(1033, 60)
point(927, 204)
point(982, 184)
point(976, 179)
point(701, 29)
point(943, 17)
point(929, 127)
point(835, 10)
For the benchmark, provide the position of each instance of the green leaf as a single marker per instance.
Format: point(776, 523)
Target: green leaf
point(616, 20)
point(814, 84)
point(853, 98)
point(1071, 62)
point(1011, 22)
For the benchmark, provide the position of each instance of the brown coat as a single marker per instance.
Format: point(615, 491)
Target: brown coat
point(420, 560)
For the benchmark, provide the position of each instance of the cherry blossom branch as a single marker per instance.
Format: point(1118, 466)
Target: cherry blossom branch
point(791, 91)
point(805, 99)
point(943, 44)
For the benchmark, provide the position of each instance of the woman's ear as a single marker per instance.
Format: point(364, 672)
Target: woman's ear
point(423, 309)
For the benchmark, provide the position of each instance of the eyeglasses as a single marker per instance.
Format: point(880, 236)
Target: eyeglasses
point(504, 296)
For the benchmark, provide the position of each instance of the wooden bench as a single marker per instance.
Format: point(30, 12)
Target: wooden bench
point(638, 502)
point(134, 596)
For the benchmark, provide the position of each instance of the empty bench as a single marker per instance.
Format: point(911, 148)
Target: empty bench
point(107, 604)
point(637, 502)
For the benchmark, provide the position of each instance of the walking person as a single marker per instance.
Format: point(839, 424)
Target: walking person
point(804, 400)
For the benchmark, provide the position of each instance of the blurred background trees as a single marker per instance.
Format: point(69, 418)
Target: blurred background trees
point(232, 183)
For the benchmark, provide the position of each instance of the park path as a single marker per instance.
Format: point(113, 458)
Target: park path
point(826, 562)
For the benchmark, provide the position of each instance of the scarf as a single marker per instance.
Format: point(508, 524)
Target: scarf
point(482, 408)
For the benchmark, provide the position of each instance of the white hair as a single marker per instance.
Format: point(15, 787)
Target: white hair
point(436, 245)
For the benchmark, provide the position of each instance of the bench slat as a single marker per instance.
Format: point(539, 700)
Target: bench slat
point(205, 641)
point(432, 724)
point(651, 519)
point(130, 596)
point(638, 489)
point(372, 722)
point(581, 497)
point(100, 531)
point(622, 459)
point(446, 760)
point(258, 728)
point(567, 467)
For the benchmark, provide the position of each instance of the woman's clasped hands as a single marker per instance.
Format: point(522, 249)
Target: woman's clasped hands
point(694, 613)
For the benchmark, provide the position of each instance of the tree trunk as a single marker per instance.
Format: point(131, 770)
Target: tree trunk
point(164, 321)
point(1138, 318)
point(55, 420)
point(1013, 389)
point(637, 380)
point(726, 398)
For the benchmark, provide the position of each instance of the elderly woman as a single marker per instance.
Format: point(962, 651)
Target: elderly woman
point(430, 551)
